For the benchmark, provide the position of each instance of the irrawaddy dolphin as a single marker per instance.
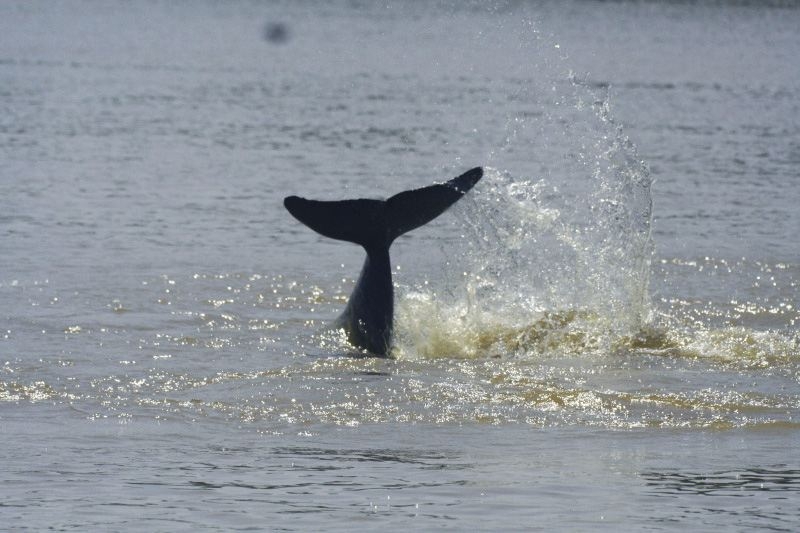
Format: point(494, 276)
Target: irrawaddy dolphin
point(375, 224)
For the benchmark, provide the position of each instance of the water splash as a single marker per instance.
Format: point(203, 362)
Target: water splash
point(562, 245)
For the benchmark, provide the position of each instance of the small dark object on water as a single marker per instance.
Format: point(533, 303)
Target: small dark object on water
point(276, 32)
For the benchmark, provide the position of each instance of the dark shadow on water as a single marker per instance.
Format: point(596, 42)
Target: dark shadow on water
point(276, 32)
point(295, 471)
point(778, 478)
point(754, 498)
point(430, 459)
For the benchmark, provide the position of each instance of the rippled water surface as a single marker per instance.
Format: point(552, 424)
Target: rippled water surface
point(603, 334)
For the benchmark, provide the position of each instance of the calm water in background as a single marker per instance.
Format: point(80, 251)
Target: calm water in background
point(603, 334)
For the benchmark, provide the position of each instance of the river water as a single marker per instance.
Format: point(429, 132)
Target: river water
point(602, 335)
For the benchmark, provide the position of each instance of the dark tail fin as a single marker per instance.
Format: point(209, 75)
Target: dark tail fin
point(378, 222)
point(412, 209)
point(357, 221)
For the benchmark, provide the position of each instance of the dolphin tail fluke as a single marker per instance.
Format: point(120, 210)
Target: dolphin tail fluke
point(355, 221)
point(372, 223)
point(412, 209)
